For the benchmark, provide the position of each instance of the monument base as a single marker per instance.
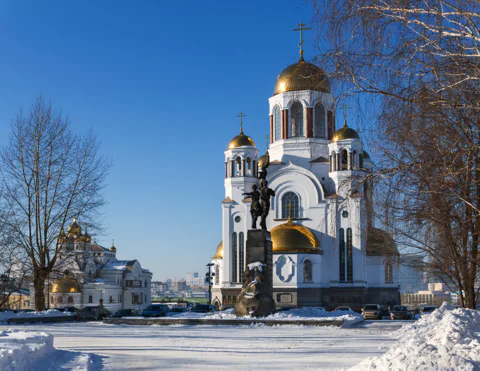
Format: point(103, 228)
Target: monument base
point(255, 299)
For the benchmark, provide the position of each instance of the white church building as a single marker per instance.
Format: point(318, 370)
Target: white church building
point(326, 249)
point(94, 276)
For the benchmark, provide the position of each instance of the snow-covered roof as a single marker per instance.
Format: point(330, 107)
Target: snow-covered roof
point(120, 265)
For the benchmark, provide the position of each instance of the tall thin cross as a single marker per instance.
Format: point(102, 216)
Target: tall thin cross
point(267, 139)
point(301, 29)
point(344, 108)
point(241, 115)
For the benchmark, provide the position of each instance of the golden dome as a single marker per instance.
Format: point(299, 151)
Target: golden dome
point(74, 229)
point(302, 76)
point(241, 140)
point(66, 284)
point(113, 248)
point(264, 161)
point(219, 252)
point(380, 243)
point(293, 237)
point(345, 133)
point(87, 237)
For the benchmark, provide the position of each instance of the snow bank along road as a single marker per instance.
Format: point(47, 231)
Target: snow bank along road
point(125, 347)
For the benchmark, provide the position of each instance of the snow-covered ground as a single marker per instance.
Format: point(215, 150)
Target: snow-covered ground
point(447, 339)
point(123, 347)
point(21, 350)
point(304, 314)
point(48, 313)
point(444, 340)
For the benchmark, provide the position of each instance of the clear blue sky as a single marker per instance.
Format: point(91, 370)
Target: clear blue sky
point(160, 82)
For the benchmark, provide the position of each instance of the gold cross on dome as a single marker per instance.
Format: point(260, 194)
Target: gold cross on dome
point(344, 109)
point(241, 115)
point(301, 29)
point(289, 210)
point(267, 139)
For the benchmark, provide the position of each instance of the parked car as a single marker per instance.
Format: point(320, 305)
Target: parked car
point(400, 312)
point(372, 311)
point(203, 308)
point(93, 313)
point(125, 313)
point(176, 311)
point(68, 309)
point(155, 310)
point(343, 308)
point(428, 309)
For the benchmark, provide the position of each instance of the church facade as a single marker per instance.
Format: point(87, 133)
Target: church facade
point(92, 276)
point(326, 249)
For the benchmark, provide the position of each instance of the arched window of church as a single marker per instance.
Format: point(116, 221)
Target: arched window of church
point(90, 299)
point(60, 300)
point(349, 255)
point(234, 257)
point(291, 199)
point(110, 299)
point(277, 124)
point(333, 161)
point(248, 165)
point(307, 271)
point(388, 271)
point(344, 160)
point(341, 249)
point(354, 159)
point(297, 126)
point(241, 250)
point(319, 130)
point(217, 274)
point(238, 167)
point(70, 300)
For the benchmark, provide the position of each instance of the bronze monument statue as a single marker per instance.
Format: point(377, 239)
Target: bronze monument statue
point(255, 207)
point(265, 194)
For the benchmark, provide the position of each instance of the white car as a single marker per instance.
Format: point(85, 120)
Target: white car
point(343, 308)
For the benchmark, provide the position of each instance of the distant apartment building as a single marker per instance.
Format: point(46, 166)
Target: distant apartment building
point(436, 294)
point(159, 288)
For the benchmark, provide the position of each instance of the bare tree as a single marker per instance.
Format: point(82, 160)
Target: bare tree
point(49, 176)
point(419, 61)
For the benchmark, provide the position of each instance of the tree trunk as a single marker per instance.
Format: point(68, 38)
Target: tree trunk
point(39, 279)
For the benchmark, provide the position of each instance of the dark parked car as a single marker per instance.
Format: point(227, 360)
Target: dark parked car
point(155, 310)
point(125, 313)
point(400, 312)
point(372, 311)
point(176, 311)
point(428, 309)
point(203, 308)
point(93, 313)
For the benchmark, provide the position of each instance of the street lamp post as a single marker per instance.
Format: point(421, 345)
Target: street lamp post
point(209, 278)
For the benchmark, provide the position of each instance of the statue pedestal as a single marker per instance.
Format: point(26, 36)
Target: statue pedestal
point(255, 299)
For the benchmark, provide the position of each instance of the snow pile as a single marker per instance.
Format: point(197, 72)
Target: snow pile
point(443, 340)
point(21, 350)
point(4, 316)
point(302, 314)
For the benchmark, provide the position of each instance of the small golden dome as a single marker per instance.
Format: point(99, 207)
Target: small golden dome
point(302, 76)
point(113, 248)
point(345, 133)
point(293, 237)
point(264, 161)
point(66, 284)
point(241, 140)
point(74, 229)
point(87, 237)
point(380, 243)
point(219, 252)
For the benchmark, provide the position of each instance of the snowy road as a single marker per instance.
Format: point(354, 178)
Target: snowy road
point(220, 347)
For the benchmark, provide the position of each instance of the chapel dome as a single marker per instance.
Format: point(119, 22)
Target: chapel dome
point(293, 237)
point(74, 228)
point(345, 133)
point(380, 243)
point(219, 252)
point(65, 284)
point(302, 76)
point(241, 140)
